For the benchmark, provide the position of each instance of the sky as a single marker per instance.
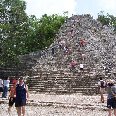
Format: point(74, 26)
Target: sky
point(93, 7)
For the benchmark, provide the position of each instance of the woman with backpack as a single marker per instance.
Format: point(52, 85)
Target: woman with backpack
point(111, 97)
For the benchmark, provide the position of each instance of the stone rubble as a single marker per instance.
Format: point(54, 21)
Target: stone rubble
point(45, 104)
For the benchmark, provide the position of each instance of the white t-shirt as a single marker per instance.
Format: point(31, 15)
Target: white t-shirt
point(6, 83)
point(81, 65)
point(1, 83)
point(102, 85)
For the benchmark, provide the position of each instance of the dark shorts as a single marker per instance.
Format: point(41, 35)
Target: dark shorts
point(111, 103)
point(1, 89)
point(19, 103)
point(11, 101)
point(81, 68)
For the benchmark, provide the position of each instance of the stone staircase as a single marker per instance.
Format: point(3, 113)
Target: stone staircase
point(63, 82)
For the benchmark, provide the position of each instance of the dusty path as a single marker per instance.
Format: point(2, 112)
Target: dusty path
point(60, 105)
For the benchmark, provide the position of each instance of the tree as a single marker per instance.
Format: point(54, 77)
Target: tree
point(13, 30)
point(21, 34)
point(108, 20)
point(48, 27)
point(103, 19)
point(41, 32)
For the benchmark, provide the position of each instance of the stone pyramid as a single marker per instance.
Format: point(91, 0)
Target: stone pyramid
point(97, 52)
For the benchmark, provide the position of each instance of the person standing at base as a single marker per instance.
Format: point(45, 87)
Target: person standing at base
point(111, 99)
point(21, 97)
point(6, 82)
point(1, 87)
point(102, 86)
point(12, 96)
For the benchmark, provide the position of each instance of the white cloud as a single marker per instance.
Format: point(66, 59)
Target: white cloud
point(40, 7)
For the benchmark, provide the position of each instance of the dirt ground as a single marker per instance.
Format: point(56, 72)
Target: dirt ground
point(45, 104)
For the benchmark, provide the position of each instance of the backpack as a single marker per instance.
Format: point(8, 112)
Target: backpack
point(102, 84)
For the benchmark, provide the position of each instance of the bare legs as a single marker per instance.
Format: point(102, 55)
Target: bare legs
point(20, 110)
point(115, 112)
point(109, 112)
point(102, 97)
point(9, 110)
point(23, 110)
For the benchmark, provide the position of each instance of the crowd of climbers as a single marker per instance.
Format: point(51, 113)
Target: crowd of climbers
point(73, 63)
point(80, 32)
point(18, 94)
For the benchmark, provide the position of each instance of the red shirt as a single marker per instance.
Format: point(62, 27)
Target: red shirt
point(13, 91)
point(82, 42)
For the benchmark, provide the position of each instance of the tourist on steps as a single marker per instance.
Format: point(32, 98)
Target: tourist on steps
point(82, 43)
point(73, 64)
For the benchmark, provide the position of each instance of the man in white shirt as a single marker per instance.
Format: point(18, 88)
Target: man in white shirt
point(6, 82)
point(1, 86)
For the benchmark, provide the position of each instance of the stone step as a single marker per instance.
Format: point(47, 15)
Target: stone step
point(63, 86)
point(60, 90)
point(63, 80)
point(61, 77)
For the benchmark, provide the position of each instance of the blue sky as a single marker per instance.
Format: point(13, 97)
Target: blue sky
point(93, 7)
